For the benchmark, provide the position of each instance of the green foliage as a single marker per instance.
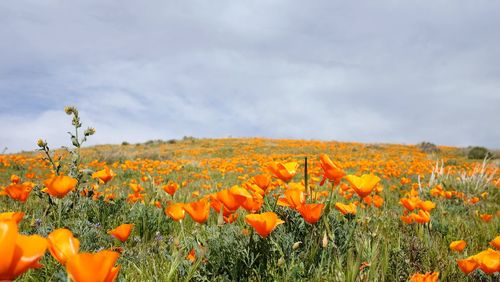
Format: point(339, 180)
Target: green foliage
point(428, 147)
point(479, 153)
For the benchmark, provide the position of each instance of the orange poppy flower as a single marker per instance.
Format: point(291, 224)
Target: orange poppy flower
point(496, 242)
point(437, 191)
point(191, 256)
point(311, 212)
point(422, 217)
point(233, 198)
point(363, 185)
point(458, 246)
point(136, 188)
point(426, 205)
point(405, 180)
point(15, 216)
point(263, 223)
point(331, 170)
point(409, 203)
point(171, 188)
point(121, 232)
point(19, 252)
point(253, 188)
point(132, 198)
point(254, 203)
point(62, 245)
point(18, 192)
point(230, 218)
point(218, 205)
point(59, 186)
point(488, 261)
point(285, 171)
point(175, 211)
point(378, 201)
point(96, 267)
point(427, 277)
point(262, 181)
point(346, 209)
point(345, 187)
point(104, 175)
point(294, 198)
point(486, 217)
point(467, 265)
point(368, 200)
point(157, 204)
point(14, 179)
point(296, 185)
point(199, 210)
point(240, 193)
point(407, 219)
point(474, 200)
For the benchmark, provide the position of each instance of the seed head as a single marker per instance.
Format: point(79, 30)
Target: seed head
point(41, 143)
point(89, 131)
point(70, 110)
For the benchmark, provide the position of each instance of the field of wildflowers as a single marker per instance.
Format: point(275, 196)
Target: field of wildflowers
point(247, 209)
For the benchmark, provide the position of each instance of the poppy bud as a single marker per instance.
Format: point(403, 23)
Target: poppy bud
point(296, 245)
point(324, 243)
point(41, 143)
point(220, 218)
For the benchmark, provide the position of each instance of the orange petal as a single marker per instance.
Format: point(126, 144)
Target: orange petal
point(16, 216)
point(263, 223)
point(8, 235)
point(467, 265)
point(62, 244)
point(458, 246)
point(29, 250)
point(87, 267)
point(121, 232)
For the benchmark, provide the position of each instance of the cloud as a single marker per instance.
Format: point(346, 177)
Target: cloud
point(368, 72)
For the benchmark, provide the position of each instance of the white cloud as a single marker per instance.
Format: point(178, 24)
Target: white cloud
point(384, 72)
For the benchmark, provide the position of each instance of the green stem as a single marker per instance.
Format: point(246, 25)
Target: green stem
point(250, 242)
point(306, 180)
point(59, 212)
point(183, 235)
point(47, 153)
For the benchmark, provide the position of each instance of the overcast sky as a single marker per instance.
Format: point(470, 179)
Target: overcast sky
point(367, 71)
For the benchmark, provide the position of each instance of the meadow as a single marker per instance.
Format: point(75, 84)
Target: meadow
point(247, 209)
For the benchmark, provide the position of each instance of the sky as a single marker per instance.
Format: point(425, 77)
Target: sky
point(363, 71)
